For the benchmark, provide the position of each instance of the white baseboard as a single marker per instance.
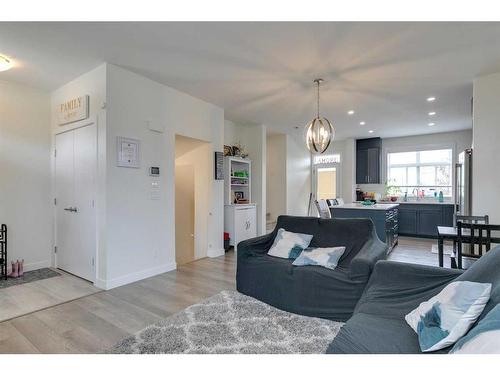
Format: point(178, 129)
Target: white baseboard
point(213, 253)
point(135, 276)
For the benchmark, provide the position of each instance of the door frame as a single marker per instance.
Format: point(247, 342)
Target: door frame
point(338, 175)
point(93, 120)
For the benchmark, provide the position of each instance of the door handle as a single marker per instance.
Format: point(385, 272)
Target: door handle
point(71, 209)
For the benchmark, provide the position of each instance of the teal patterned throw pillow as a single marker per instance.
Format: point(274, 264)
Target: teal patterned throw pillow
point(322, 256)
point(446, 317)
point(289, 245)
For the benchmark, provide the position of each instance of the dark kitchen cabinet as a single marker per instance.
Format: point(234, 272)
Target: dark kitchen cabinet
point(407, 221)
point(368, 159)
point(428, 221)
point(422, 219)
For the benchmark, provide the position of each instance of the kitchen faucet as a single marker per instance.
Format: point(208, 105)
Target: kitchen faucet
point(418, 195)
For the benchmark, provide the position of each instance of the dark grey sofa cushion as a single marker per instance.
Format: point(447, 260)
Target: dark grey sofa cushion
point(395, 289)
point(312, 290)
point(378, 324)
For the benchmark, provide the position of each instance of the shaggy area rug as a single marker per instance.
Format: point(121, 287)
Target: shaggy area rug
point(230, 322)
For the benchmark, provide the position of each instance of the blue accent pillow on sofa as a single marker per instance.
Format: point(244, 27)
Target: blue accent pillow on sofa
point(446, 317)
point(289, 245)
point(483, 338)
point(327, 257)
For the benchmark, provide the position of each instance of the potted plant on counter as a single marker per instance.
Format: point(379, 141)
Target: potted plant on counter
point(391, 191)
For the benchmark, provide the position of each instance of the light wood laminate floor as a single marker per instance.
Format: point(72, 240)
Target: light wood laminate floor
point(94, 323)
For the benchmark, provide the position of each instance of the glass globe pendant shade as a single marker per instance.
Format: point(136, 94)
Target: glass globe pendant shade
point(319, 134)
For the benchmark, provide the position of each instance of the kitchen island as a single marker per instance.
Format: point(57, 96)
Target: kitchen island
point(384, 216)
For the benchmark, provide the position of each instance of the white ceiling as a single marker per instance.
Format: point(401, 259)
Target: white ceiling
point(263, 72)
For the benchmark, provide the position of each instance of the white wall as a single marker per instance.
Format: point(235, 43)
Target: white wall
point(199, 158)
point(276, 188)
point(25, 199)
point(298, 175)
point(133, 100)
point(253, 139)
point(486, 156)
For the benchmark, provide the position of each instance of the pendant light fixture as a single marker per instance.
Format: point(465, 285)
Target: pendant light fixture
point(319, 131)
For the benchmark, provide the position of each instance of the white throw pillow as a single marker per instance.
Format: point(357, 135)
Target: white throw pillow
point(289, 245)
point(322, 256)
point(443, 319)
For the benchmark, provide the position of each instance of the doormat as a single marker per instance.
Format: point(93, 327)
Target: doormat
point(28, 277)
point(447, 249)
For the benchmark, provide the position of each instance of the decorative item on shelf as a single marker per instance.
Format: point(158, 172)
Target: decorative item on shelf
point(319, 131)
point(242, 174)
point(228, 150)
point(238, 195)
point(236, 151)
point(243, 154)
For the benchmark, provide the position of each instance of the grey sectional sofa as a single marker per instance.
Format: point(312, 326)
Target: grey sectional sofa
point(311, 290)
point(395, 289)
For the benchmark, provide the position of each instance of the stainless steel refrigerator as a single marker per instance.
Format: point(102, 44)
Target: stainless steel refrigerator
point(463, 183)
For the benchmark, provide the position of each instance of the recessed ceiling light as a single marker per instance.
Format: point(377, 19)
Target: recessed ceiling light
point(370, 131)
point(431, 124)
point(351, 112)
point(5, 63)
point(431, 98)
point(432, 113)
point(362, 123)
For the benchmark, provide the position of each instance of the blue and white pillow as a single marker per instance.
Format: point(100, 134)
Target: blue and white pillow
point(322, 256)
point(483, 338)
point(289, 245)
point(446, 317)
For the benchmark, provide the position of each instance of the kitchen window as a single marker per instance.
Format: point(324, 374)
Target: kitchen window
point(429, 171)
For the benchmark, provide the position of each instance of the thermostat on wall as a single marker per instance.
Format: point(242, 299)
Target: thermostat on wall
point(154, 171)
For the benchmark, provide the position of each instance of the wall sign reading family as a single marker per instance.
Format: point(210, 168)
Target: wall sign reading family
point(73, 110)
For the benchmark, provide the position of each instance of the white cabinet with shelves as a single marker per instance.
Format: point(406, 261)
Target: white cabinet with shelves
point(238, 179)
point(240, 219)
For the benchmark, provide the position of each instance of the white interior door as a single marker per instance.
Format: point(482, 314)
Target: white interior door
point(76, 161)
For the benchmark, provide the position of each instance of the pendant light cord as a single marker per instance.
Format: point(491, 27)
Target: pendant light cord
point(318, 82)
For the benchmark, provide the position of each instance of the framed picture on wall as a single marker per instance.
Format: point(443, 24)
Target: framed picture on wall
point(128, 152)
point(219, 165)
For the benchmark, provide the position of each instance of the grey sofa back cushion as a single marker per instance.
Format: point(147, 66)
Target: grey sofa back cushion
point(486, 270)
point(351, 233)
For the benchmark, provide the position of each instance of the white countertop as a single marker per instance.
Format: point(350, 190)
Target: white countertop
point(378, 206)
point(427, 202)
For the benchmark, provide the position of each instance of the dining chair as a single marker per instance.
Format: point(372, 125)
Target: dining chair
point(468, 219)
point(477, 237)
point(323, 209)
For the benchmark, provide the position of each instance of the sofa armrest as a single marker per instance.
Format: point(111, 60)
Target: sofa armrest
point(363, 263)
point(402, 286)
point(255, 246)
